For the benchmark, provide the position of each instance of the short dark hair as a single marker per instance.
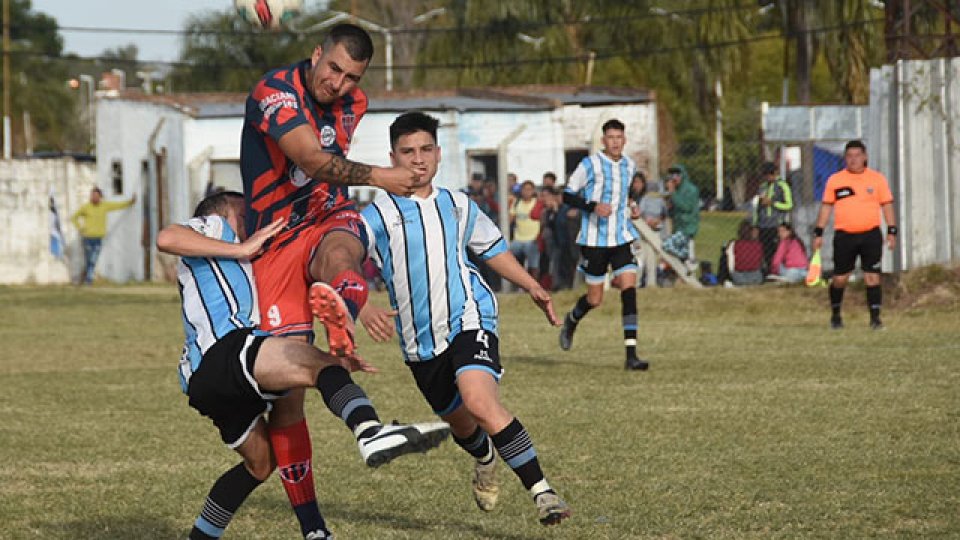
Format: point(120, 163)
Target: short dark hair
point(217, 203)
point(768, 167)
point(354, 39)
point(412, 122)
point(96, 190)
point(613, 123)
point(856, 143)
point(549, 174)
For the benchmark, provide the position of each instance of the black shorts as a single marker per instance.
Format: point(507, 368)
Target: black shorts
point(848, 246)
point(223, 387)
point(596, 260)
point(437, 378)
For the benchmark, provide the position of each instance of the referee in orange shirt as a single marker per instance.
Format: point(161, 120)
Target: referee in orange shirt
point(858, 194)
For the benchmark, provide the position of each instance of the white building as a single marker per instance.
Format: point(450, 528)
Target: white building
point(169, 148)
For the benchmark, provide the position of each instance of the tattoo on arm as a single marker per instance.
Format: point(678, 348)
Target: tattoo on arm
point(343, 171)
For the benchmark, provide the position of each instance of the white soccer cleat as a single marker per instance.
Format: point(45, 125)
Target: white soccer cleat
point(551, 509)
point(395, 440)
point(319, 534)
point(486, 488)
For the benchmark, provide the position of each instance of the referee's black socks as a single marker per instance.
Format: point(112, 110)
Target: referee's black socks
point(836, 299)
point(874, 300)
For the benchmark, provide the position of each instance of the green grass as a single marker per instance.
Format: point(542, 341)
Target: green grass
point(754, 422)
point(716, 228)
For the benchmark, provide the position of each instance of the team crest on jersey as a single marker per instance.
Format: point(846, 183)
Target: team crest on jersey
point(457, 212)
point(295, 472)
point(870, 190)
point(349, 122)
point(297, 176)
point(327, 135)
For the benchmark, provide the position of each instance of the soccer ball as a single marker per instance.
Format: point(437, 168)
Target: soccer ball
point(269, 14)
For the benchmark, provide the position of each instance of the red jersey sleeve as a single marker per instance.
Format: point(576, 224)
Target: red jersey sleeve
point(277, 108)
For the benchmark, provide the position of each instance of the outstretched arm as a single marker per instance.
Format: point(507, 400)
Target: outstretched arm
point(186, 242)
point(507, 266)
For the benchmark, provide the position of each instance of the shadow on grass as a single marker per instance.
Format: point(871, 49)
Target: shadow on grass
point(113, 527)
point(564, 358)
point(395, 521)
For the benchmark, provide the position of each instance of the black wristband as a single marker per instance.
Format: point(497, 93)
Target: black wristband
point(818, 231)
point(892, 229)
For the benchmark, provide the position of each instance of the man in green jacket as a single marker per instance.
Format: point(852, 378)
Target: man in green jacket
point(683, 200)
point(91, 221)
point(773, 207)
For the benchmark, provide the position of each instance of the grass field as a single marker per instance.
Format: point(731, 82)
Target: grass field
point(754, 422)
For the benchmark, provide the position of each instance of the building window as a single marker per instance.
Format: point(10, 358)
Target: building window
point(116, 176)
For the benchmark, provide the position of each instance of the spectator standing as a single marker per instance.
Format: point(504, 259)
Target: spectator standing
point(91, 221)
point(683, 201)
point(525, 222)
point(549, 180)
point(649, 205)
point(773, 207)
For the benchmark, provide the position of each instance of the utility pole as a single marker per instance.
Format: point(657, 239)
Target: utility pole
point(7, 143)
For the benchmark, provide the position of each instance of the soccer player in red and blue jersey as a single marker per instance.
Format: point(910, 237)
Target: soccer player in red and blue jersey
point(296, 134)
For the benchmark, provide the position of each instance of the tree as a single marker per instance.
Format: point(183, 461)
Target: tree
point(221, 52)
point(38, 83)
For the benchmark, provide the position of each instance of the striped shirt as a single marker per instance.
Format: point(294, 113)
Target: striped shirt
point(602, 180)
point(218, 296)
point(420, 246)
point(274, 186)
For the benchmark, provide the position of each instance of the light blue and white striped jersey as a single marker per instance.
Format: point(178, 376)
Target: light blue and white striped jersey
point(218, 296)
point(600, 179)
point(420, 246)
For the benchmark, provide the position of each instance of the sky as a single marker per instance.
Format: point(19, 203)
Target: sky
point(160, 15)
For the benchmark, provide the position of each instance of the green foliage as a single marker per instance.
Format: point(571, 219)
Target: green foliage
point(221, 52)
point(39, 83)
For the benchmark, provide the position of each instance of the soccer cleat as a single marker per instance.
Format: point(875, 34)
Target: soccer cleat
point(319, 534)
point(876, 324)
point(836, 322)
point(551, 507)
point(635, 364)
point(327, 306)
point(486, 488)
point(566, 333)
point(393, 441)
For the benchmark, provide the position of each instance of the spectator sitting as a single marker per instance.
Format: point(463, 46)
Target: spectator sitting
point(745, 256)
point(790, 260)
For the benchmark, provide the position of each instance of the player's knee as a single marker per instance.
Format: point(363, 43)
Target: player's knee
point(485, 409)
point(261, 466)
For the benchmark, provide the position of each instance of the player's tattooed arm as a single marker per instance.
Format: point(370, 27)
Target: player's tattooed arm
point(343, 171)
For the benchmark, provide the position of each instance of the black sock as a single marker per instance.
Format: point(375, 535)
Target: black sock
point(874, 300)
point(515, 448)
point(580, 310)
point(628, 313)
point(478, 445)
point(836, 299)
point(225, 497)
point(346, 400)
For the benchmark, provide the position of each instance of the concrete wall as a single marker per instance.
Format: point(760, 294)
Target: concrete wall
point(125, 131)
point(581, 129)
point(25, 187)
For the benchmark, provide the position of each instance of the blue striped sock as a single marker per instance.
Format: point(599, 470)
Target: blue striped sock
point(515, 448)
